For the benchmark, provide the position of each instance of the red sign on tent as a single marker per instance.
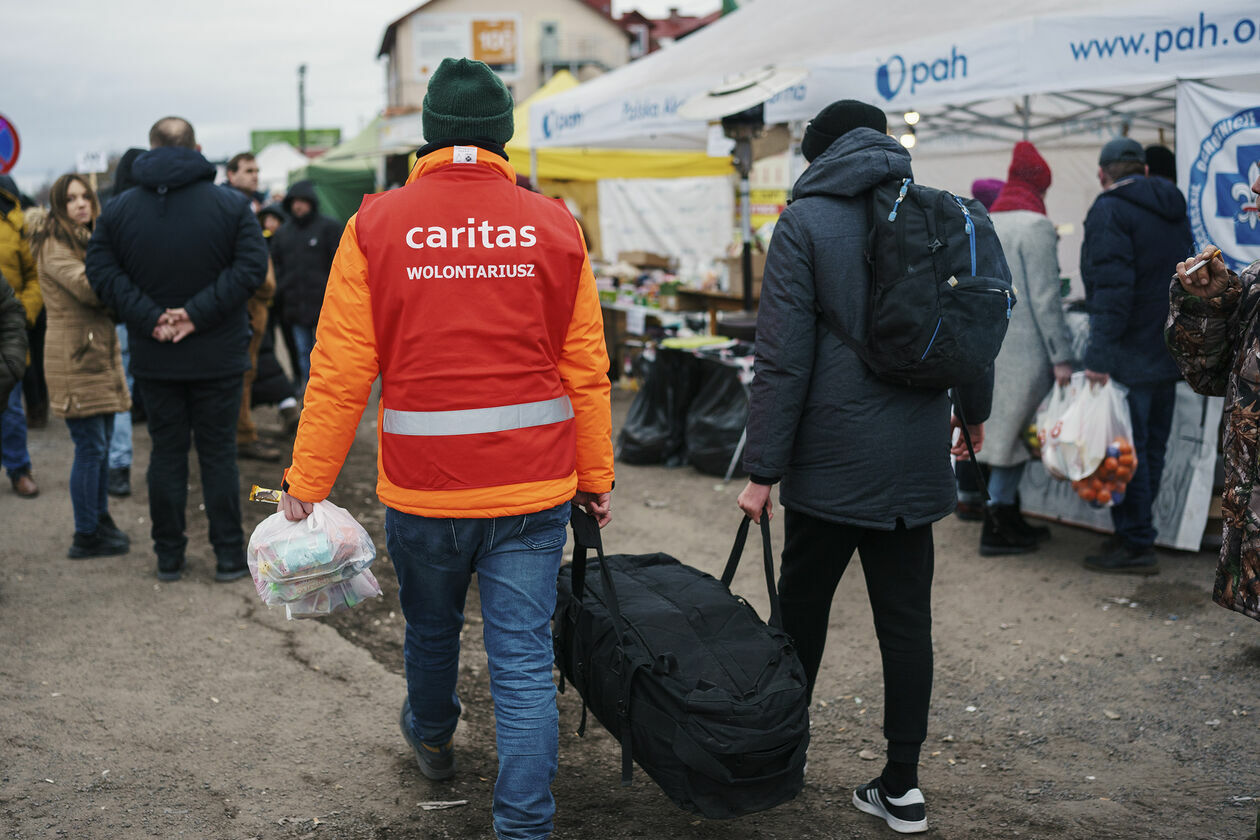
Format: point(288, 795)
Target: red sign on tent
point(10, 145)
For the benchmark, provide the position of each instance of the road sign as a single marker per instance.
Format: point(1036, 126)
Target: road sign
point(10, 145)
point(89, 162)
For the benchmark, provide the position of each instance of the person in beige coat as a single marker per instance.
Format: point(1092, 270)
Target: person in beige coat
point(82, 362)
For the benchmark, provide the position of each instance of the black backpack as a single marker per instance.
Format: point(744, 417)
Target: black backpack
point(710, 700)
point(941, 294)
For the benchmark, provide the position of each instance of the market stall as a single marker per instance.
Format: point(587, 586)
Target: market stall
point(1067, 74)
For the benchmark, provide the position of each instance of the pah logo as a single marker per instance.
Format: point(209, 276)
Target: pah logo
point(892, 75)
point(1223, 209)
point(554, 123)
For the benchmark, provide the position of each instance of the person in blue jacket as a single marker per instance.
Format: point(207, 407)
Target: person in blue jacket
point(1135, 234)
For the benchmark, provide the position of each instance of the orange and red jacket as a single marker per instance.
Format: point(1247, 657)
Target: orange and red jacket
point(474, 301)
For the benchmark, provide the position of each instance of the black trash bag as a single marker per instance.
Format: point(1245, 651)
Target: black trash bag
point(716, 420)
point(643, 437)
point(683, 373)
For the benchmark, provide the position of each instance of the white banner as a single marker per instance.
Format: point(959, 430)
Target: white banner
point(914, 61)
point(1218, 159)
point(1086, 50)
point(688, 218)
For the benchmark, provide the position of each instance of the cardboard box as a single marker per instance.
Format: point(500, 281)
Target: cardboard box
point(644, 259)
point(735, 273)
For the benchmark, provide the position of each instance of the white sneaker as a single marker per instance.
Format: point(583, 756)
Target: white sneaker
point(905, 814)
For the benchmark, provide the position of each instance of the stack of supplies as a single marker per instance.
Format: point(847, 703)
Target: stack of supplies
point(313, 567)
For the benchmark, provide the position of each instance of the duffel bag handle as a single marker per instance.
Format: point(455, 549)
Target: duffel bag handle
point(737, 551)
point(586, 538)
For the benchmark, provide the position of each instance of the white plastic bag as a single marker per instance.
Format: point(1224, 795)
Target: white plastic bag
point(1049, 423)
point(293, 560)
point(1091, 444)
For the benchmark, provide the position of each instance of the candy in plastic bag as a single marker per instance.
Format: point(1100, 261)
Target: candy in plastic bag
point(292, 560)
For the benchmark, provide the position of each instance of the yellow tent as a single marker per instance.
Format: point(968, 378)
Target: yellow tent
point(592, 164)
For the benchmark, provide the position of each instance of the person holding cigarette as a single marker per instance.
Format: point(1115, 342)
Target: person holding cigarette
point(1135, 233)
point(1212, 333)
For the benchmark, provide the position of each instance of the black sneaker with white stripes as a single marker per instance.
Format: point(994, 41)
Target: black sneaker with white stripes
point(905, 814)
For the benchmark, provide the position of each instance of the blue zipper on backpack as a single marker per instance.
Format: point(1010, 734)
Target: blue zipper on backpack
point(935, 332)
point(905, 185)
point(971, 233)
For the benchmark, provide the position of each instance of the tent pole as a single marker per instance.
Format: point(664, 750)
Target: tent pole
point(743, 164)
point(1027, 116)
point(533, 165)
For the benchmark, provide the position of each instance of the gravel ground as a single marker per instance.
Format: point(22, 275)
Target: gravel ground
point(1066, 704)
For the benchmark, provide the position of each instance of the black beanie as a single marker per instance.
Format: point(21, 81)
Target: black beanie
point(838, 119)
point(467, 101)
point(1160, 160)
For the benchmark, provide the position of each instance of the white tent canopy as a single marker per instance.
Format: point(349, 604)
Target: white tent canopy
point(1100, 58)
point(275, 162)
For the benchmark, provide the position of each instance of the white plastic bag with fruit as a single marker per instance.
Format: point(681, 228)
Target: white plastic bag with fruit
point(1050, 424)
point(1093, 442)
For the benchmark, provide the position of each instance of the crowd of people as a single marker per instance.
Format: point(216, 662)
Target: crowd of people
point(131, 312)
point(495, 408)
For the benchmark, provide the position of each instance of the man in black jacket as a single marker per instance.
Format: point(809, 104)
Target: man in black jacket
point(1135, 234)
point(303, 251)
point(864, 464)
point(177, 258)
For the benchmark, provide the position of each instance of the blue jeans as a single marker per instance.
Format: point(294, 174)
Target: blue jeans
point(1004, 484)
point(1151, 409)
point(304, 338)
point(89, 474)
point(516, 559)
point(120, 440)
point(13, 454)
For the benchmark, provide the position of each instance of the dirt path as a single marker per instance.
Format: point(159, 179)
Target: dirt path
point(1066, 705)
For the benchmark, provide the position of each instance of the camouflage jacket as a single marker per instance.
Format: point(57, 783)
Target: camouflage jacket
point(1216, 342)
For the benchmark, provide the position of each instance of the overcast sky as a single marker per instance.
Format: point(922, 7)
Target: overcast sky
point(83, 75)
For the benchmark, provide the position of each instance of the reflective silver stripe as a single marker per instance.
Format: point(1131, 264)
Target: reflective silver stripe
point(477, 421)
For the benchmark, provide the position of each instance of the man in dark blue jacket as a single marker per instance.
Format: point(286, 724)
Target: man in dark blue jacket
point(864, 463)
point(1135, 234)
point(177, 259)
point(303, 251)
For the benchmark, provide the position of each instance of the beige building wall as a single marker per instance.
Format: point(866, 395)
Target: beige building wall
point(557, 30)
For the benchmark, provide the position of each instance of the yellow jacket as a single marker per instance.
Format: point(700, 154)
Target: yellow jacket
point(16, 263)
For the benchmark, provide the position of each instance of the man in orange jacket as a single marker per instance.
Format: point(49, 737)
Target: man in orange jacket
point(474, 301)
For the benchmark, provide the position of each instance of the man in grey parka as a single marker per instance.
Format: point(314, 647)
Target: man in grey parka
point(864, 464)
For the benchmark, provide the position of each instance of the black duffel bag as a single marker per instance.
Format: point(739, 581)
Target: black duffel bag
point(708, 699)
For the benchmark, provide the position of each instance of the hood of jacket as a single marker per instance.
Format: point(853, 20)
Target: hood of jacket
point(124, 173)
point(853, 164)
point(169, 168)
point(10, 196)
point(304, 190)
point(1152, 194)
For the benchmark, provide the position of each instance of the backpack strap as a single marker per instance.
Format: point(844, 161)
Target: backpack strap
point(971, 451)
point(586, 537)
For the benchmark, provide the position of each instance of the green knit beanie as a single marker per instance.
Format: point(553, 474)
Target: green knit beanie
point(467, 101)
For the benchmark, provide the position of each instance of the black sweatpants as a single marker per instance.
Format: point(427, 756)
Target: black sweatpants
point(181, 412)
point(898, 568)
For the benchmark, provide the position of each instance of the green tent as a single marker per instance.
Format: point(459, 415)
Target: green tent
point(345, 173)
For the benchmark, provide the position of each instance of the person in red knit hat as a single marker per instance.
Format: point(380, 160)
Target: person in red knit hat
point(1036, 353)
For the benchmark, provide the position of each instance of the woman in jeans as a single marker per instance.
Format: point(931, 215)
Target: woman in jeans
point(82, 362)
